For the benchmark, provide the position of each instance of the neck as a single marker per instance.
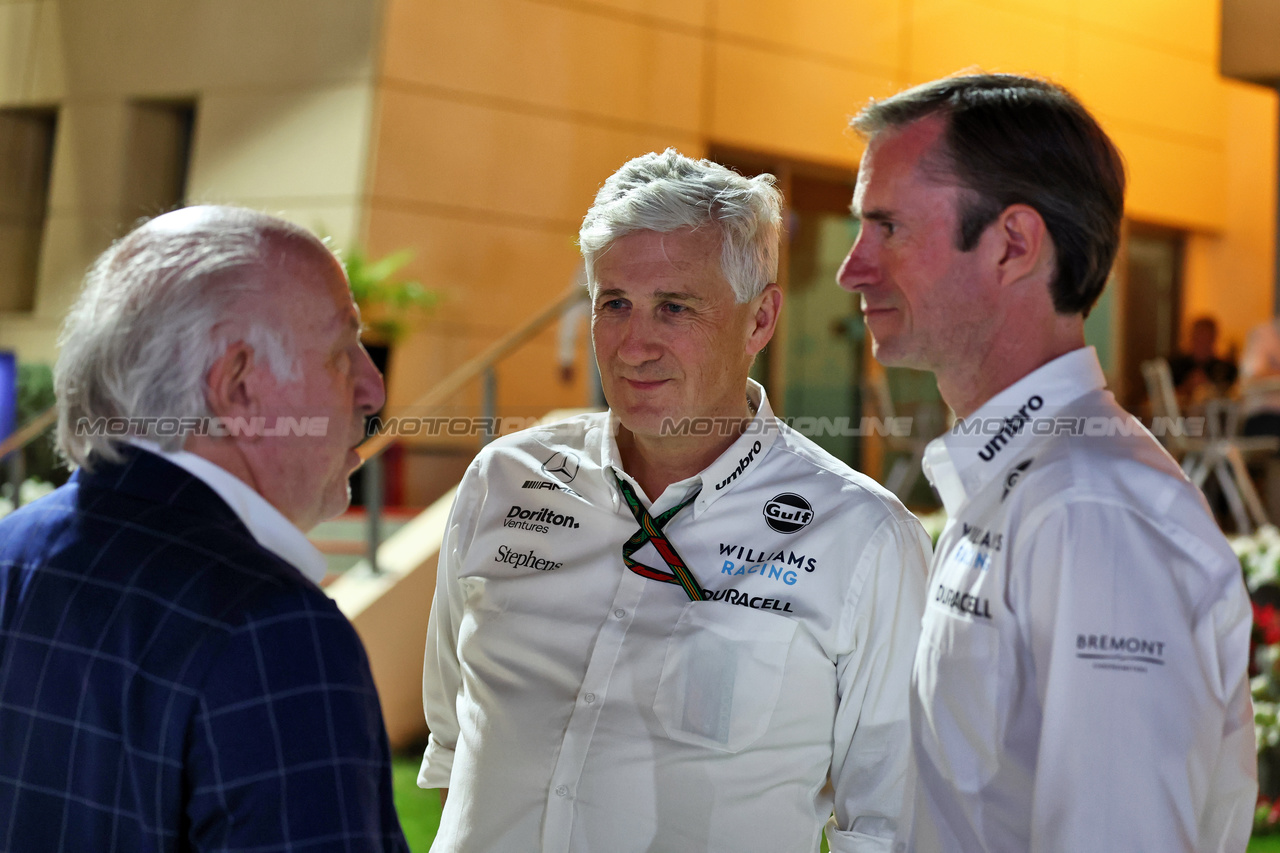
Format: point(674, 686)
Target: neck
point(656, 462)
point(1012, 355)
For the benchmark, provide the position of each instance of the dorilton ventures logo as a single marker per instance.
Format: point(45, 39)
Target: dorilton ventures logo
point(562, 465)
point(788, 512)
point(520, 559)
point(539, 519)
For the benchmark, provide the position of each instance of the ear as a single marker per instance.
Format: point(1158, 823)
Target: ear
point(230, 385)
point(1024, 245)
point(764, 317)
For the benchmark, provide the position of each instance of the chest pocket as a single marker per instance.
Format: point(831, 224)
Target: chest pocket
point(956, 671)
point(722, 675)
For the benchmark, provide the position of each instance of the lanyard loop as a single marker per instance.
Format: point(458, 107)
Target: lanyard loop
point(651, 531)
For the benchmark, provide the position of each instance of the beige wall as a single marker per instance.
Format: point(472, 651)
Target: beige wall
point(283, 93)
point(497, 120)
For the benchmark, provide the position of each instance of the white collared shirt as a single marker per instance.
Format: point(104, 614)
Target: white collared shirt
point(266, 523)
point(577, 706)
point(1081, 681)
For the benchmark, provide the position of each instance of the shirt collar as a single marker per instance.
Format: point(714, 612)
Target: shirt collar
point(729, 469)
point(977, 449)
point(266, 523)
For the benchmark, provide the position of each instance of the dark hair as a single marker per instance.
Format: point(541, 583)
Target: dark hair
point(1021, 140)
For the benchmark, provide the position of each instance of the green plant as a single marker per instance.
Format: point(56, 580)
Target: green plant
point(35, 395)
point(386, 300)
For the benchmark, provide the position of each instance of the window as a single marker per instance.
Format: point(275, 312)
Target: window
point(159, 154)
point(26, 163)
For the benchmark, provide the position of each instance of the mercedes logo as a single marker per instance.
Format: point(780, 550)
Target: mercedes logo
point(562, 465)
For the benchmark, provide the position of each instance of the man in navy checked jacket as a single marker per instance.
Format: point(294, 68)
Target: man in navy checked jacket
point(171, 678)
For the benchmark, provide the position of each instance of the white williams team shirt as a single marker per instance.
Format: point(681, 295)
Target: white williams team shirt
point(575, 705)
point(1081, 677)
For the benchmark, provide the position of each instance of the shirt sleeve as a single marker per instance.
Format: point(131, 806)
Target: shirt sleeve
point(442, 671)
point(287, 749)
point(1138, 639)
point(872, 737)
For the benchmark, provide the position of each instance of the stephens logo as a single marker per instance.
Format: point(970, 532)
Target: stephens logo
point(788, 512)
point(520, 559)
point(562, 465)
point(743, 464)
point(538, 520)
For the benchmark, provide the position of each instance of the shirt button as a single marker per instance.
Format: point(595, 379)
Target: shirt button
point(618, 614)
point(590, 697)
point(562, 791)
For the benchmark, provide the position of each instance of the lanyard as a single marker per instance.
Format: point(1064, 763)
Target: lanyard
point(651, 531)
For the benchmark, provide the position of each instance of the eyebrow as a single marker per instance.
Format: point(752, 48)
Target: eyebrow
point(678, 295)
point(877, 215)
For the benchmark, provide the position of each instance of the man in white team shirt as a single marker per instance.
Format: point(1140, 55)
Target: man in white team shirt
point(1081, 677)
point(675, 625)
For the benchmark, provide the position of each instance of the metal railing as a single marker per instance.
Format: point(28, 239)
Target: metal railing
point(19, 439)
point(482, 366)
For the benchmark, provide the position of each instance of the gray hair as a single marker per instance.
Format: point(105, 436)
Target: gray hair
point(667, 191)
point(157, 310)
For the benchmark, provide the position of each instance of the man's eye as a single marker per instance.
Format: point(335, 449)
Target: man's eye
point(674, 308)
point(888, 228)
point(612, 305)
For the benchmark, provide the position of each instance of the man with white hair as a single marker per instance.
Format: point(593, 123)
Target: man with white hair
point(678, 624)
point(171, 676)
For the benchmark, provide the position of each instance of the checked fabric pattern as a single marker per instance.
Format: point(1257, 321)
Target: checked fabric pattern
point(651, 531)
point(167, 684)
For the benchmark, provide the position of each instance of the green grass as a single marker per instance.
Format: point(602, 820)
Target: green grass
point(420, 810)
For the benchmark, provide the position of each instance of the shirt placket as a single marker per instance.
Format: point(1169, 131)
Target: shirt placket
point(567, 775)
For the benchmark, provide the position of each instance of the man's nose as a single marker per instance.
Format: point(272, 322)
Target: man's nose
point(857, 270)
point(371, 392)
point(639, 342)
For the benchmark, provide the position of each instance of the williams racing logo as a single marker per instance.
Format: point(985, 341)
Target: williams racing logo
point(788, 512)
point(538, 520)
point(1127, 654)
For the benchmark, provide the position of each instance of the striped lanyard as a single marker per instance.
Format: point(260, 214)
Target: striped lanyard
point(651, 531)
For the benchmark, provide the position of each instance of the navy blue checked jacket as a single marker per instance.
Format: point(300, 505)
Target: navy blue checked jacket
point(166, 683)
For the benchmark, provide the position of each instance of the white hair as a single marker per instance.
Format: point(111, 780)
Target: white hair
point(667, 191)
point(157, 310)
